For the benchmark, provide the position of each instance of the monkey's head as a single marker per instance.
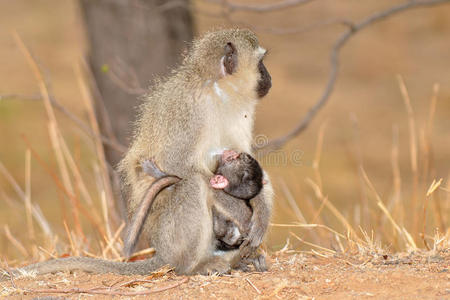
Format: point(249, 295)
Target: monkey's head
point(233, 55)
point(239, 175)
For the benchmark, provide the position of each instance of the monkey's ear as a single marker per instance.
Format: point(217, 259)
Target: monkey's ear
point(230, 59)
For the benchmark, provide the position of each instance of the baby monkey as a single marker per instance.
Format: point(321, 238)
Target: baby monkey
point(237, 180)
point(238, 177)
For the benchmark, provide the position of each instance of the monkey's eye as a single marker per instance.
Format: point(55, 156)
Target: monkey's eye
point(245, 176)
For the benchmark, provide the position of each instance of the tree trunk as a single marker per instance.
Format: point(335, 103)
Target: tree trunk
point(130, 42)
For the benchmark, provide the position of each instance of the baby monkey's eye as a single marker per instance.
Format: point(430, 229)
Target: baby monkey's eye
point(245, 176)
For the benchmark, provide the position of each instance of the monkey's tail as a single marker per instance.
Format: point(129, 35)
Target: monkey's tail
point(136, 225)
point(87, 264)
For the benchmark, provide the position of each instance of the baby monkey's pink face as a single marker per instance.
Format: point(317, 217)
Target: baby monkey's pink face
point(219, 182)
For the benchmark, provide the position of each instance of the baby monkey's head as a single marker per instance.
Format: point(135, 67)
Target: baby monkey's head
point(238, 175)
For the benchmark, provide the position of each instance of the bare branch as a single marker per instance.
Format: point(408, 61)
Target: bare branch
point(259, 8)
point(21, 97)
point(294, 30)
point(334, 62)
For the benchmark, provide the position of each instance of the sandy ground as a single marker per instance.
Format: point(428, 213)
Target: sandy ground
point(291, 276)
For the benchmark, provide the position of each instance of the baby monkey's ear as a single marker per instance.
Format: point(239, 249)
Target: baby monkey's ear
point(230, 59)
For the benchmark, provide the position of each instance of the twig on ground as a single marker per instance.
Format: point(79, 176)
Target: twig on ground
point(253, 286)
point(99, 291)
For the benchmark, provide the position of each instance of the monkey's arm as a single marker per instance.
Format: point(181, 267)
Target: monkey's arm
point(262, 207)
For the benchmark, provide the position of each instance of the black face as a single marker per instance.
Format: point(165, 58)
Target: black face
point(264, 82)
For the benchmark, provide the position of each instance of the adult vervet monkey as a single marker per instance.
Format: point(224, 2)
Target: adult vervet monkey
point(205, 106)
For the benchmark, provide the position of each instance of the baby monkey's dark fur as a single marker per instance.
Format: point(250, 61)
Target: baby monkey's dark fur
point(244, 175)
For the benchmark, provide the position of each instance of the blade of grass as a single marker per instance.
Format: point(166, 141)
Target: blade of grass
point(383, 208)
point(55, 138)
point(15, 242)
point(57, 182)
point(331, 207)
point(88, 102)
point(110, 243)
point(292, 202)
point(69, 237)
point(413, 153)
point(365, 219)
point(28, 206)
point(311, 244)
point(37, 214)
point(309, 225)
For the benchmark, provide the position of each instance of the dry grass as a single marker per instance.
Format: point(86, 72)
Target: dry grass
point(402, 222)
point(399, 223)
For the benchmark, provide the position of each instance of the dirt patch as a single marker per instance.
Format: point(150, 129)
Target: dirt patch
point(291, 276)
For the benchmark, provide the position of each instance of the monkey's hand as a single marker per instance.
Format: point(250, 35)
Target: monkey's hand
point(257, 227)
point(253, 240)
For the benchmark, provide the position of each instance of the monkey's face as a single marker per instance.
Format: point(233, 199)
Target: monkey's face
point(233, 63)
point(239, 175)
point(230, 65)
point(265, 80)
point(234, 59)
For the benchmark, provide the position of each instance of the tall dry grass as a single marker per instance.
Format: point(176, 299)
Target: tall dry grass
point(414, 215)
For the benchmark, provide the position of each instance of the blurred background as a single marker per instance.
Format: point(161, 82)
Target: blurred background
point(364, 133)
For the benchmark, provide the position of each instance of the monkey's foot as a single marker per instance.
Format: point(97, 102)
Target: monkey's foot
point(243, 266)
point(215, 266)
point(259, 262)
point(252, 242)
